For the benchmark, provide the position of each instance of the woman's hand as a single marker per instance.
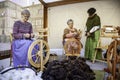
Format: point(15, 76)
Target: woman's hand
point(27, 35)
point(88, 34)
point(32, 35)
point(75, 35)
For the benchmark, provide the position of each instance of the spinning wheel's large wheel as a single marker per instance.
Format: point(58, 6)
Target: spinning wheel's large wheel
point(111, 55)
point(113, 58)
point(72, 51)
point(38, 53)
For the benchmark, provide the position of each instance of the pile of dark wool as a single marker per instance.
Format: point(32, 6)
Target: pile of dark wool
point(76, 69)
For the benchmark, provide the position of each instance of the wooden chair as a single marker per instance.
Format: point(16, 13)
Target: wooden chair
point(11, 39)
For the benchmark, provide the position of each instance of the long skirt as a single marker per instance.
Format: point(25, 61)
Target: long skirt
point(20, 52)
point(90, 47)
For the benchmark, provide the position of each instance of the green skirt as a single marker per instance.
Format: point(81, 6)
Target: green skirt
point(90, 46)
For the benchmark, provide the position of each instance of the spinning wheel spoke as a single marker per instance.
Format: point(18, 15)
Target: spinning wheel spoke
point(37, 60)
point(44, 46)
point(111, 56)
point(34, 55)
point(39, 46)
point(35, 49)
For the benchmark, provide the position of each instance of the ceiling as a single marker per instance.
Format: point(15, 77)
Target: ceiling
point(52, 3)
point(49, 1)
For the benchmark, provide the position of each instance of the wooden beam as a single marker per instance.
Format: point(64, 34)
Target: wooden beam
point(43, 3)
point(45, 20)
point(64, 2)
point(45, 17)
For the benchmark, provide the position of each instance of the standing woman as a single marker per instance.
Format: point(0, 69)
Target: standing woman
point(22, 33)
point(93, 25)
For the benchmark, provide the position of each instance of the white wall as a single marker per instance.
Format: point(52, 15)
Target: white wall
point(108, 10)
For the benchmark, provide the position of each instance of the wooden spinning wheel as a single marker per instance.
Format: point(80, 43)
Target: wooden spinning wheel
point(72, 51)
point(38, 52)
point(113, 57)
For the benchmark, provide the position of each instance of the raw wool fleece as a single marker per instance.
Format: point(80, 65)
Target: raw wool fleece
point(76, 69)
point(26, 74)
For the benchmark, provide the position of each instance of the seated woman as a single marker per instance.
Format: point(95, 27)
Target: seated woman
point(22, 33)
point(71, 33)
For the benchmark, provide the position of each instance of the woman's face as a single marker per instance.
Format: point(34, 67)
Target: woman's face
point(25, 17)
point(70, 24)
point(91, 15)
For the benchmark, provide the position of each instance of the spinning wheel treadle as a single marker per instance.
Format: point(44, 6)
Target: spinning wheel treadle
point(72, 51)
point(38, 53)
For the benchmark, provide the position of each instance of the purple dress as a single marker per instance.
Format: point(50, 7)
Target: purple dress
point(20, 44)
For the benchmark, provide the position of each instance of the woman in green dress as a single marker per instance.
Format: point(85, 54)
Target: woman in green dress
point(93, 26)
